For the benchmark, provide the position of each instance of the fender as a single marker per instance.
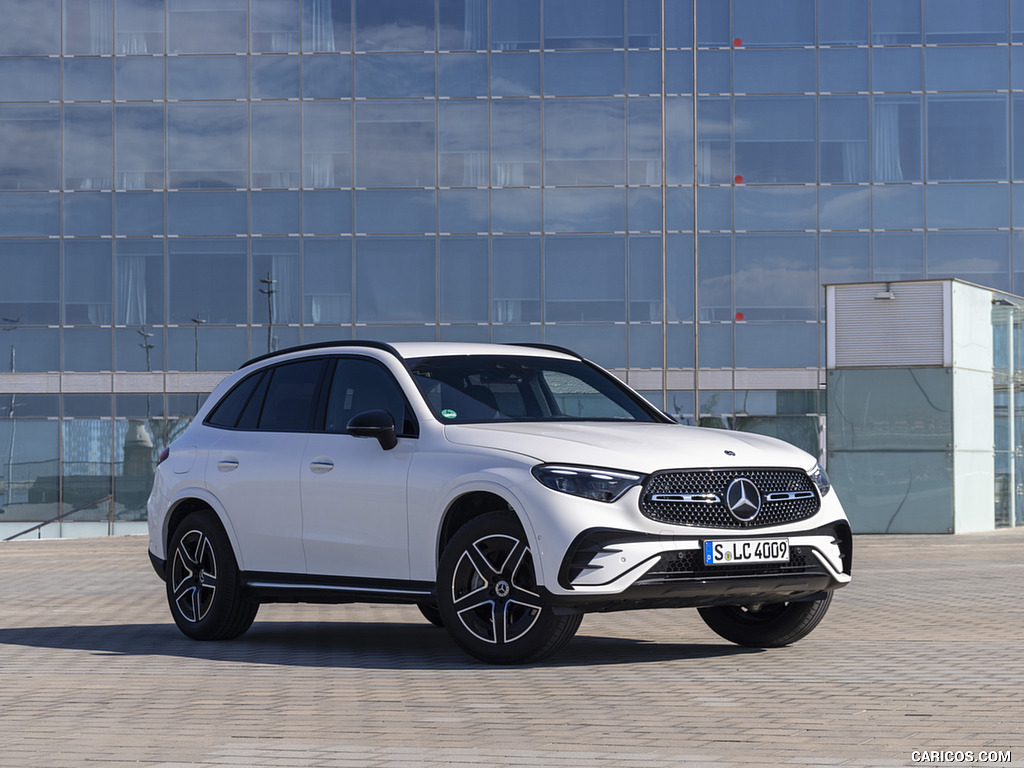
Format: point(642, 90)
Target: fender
point(201, 494)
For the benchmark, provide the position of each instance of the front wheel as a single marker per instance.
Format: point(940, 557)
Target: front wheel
point(770, 625)
point(488, 596)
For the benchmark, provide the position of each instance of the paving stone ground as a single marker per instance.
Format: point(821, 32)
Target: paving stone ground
point(923, 652)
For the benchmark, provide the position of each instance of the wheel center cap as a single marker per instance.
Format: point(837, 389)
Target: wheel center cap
point(502, 589)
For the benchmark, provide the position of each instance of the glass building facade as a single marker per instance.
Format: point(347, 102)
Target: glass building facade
point(663, 185)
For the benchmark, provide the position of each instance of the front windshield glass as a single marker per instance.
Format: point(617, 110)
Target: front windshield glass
point(466, 389)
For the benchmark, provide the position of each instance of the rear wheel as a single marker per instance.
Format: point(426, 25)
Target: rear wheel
point(769, 625)
point(431, 614)
point(204, 589)
point(488, 596)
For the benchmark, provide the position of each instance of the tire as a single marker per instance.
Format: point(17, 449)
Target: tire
point(772, 625)
point(488, 596)
point(204, 589)
point(431, 614)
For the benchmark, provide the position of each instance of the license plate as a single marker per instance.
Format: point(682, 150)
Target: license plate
point(746, 551)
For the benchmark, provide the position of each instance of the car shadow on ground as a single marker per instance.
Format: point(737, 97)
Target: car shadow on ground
point(355, 645)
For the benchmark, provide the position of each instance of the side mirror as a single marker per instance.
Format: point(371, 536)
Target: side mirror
point(378, 424)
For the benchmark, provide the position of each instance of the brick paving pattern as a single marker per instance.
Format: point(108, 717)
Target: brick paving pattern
point(924, 651)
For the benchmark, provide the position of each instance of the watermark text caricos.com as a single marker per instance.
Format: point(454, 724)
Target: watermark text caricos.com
point(961, 756)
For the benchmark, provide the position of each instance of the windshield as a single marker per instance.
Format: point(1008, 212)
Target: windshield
point(468, 389)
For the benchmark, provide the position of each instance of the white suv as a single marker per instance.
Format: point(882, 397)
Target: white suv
point(505, 490)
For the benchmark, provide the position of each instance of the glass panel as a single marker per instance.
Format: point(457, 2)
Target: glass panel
point(88, 79)
point(327, 280)
point(681, 406)
point(896, 22)
point(463, 263)
point(29, 214)
point(206, 282)
point(202, 26)
point(681, 349)
point(139, 26)
point(643, 72)
point(515, 74)
point(978, 257)
point(646, 347)
point(515, 143)
point(896, 138)
point(87, 283)
point(515, 25)
point(139, 213)
point(462, 25)
point(462, 74)
point(643, 24)
point(644, 209)
point(395, 144)
point(585, 279)
point(326, 76)
point(714, 347)
point(843, 258)
point(844, 207)
point(775, 139)
point(88, 214)
point(275, 283)
point(714, 277)
point(645, 279)
point(29, 79)
point(87, 349)
point(585, 210)
point(713, 23)
point(783, 22)
point(462, 143)
point(768, 71)
point(396, 280)
point(326, 212)
point(407, 212)
point(30, 290)
point(400, 75)
point(139, 78)
point(604, 344)
point(274, 25)
point(28, 349)
point(274, 213)
point(206, 145)
point(30, 28)
point(584, 141)
point(842, 22)
point(843, 69)
point(777, 277)
point(394, 25)
point(898, 206)
point(774, 208)
point(274, 153)
point(967, 138)
point(207, 213)
point(583, 24)
point(714, 71)
point(139, 146)
point(515, 280)
point(950, 21)
point(274, 77)
point(714, 141)
point(584, 74)
point(966, 68)
point(134, 458)
point(678, 72)
point(644, 141)
point(897, 69)
point(29, 146)
point(844, 138)
point(967, 206)
point(776, 345)
point(326, 144)
point(207, 77)
point(714, 208)
point(679, 257)
point(327, 25)
point(194, 347)
point(516, 210)
point(138, 282)
point(29, 468)
point(88, 146)
point(898, 256)
point(462, 211)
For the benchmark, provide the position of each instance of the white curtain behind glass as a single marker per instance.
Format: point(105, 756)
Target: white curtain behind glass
point(322, 26)
point(886, 140)
point(130, 284)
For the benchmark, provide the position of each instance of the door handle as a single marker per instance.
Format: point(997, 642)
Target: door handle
point(226, 465)
point(321, 464)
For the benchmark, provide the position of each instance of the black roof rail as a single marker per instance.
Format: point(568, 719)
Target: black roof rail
point(548, 347)
point(326, 345)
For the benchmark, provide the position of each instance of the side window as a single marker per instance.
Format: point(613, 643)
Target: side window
point(291, 396)
point(363, 385)
point(227, 411)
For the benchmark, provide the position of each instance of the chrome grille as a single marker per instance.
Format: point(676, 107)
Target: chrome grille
point(697, 497)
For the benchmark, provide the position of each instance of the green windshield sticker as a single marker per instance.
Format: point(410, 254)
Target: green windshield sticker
point(448, 413)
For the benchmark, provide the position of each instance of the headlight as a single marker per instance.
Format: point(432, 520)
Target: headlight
point(820, 479)
point(588, 482)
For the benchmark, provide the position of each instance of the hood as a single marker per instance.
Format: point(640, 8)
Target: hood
point(632, 447)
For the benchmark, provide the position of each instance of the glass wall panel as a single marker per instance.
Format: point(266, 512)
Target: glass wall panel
point(784, 22)
point(681, 341)
point(515, 74)
point(138, 282)
point(776, 345)
point(898, 206)
point(30, 29)
point(138, 27)
point(714, 277)
point(774, 71)
point(326, 144)
point(515, 279)
point(139, 146)
point(31, 214)
point(195, 347)
point(714, 208)
point(843, 258)
point(139, 213)
point(679, 274)
point(462, 211)
point(198, 26)
point(844, 207)
point(206, 282)
point(897, 69)
point(28, 349)
point(30, 289)
point(898, 256)
point(775, 207)
point(274, 77)
point(201, 212)
point(643, 24)
point(949, 21)
point(775, 139)
point(896, 22)
point(29, 467)
point(395, 144)
point(274, 212)
point(967, 138)
point(516, 210)
point(714, 141)
point(644, 140)
point(275, 281)
point(139, 78)
point(583, 24)
point(967, 206)
point(393, 211)
point(398, 75)
point(842, 22)
point(394, 25)
point(515, 25)
point(274, 26)
point(647, 348)
point(604, 344)
point(274, 152)
point(87, 283)
point(327, 25)
point(897, 145)
point(462, 75)
point(327, 280)
point(714, 348)
point(584, 141)
point(88, 79)
point(585, 210)
point(585, 279)
point(643, 72)
point(87, 349)
point(844, 138)
point(463, 262)
point(29, 146)
point(139, 349)
point(966, 68)
point(88, 146)
point(396, 279)
point(585, 73)
point(842, 69)
point(327, 212)
point(88, 214)
point(714, 71)
point(776, 277)
point(645, 279)
point(678, 72)
point(977, 257)
point(29, 79)
point(462, 25)
point(645, 207)
point(206, 145)
point(207, 77)
point(326, 76)
point(515, 143)
point(462, 143)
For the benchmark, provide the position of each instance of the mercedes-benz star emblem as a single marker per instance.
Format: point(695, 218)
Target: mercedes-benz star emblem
point(743, 499)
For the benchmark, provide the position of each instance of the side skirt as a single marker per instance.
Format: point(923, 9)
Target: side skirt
point(302, 588)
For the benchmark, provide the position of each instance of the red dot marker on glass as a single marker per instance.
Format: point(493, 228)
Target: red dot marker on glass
point(738, 179)
point(737, 43)
point(739, 316)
